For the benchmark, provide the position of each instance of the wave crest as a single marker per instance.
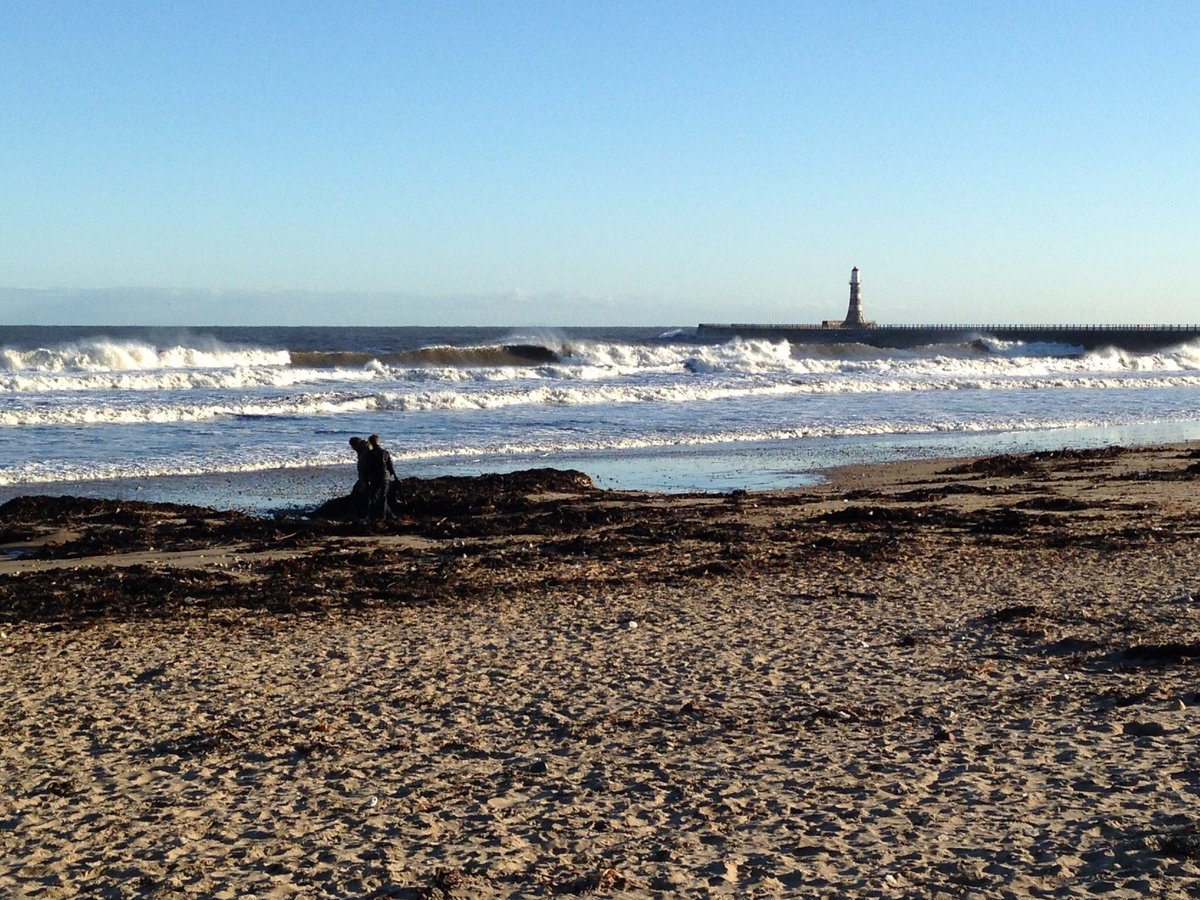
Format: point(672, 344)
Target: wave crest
point(126, 356)
point(499, 355)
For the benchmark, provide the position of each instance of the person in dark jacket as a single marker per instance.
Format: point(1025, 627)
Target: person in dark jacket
point(361, 493)
point(380, 474)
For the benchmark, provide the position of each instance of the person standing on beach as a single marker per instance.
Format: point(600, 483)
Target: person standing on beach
point(361, 493)
point(360, 449)
point(380, 475)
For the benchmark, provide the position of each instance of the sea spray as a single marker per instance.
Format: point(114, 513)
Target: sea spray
point(126, 356)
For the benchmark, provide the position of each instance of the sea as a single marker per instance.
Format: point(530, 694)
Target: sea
point(259, 419)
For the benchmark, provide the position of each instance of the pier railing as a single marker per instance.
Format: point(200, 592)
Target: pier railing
point(966, 328)
point(1090, 337)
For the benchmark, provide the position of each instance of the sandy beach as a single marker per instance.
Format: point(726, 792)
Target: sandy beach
point(948, 678)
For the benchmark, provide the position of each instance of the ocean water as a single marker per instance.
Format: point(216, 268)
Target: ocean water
point(259, 418)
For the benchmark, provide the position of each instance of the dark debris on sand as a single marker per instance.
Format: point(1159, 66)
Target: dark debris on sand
point(1019, 465)
point(481, 539)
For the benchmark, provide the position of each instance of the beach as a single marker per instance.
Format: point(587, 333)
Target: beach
point(957, 677)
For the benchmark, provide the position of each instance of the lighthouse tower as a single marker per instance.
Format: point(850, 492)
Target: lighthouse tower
point(854, 316)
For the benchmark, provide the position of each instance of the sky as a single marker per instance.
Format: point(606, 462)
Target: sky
point(598, 162)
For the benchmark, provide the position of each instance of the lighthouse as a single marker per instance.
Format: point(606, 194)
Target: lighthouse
point(854, 316)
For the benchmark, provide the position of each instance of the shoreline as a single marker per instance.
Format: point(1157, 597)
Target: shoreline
point(928, 677)
point(716, 468)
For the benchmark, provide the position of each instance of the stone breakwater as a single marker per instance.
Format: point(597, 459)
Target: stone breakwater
point(1136, 338)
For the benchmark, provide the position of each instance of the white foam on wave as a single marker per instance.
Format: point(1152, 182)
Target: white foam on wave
point(132, 410)
point(764, 357)
point(676, 392)
point(240, 377)
point(137, 413)
point(766, 361)
point(1028, 348)
point(1181, 358)
point(67, 471)
point(101, 365)
point(263, 457)
point(591, 360)
point(99, 355)
point(572, 395)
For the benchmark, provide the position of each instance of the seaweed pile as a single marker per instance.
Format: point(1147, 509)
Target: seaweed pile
point(481, 539)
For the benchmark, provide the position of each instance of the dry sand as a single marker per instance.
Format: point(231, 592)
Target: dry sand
point(934, 679)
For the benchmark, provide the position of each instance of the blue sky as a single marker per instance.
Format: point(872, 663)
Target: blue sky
point(563, 163)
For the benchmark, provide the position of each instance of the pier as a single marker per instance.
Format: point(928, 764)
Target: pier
point(1137, 338)
point(854, 329)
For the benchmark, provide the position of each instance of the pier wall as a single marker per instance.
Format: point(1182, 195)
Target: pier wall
point(1089, 337)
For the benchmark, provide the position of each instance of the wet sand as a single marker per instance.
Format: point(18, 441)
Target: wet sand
point(964, 677)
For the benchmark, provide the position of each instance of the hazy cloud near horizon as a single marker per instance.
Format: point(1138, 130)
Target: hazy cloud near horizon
point(149, 306)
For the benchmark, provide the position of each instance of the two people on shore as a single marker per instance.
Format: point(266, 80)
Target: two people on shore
point(375, 476)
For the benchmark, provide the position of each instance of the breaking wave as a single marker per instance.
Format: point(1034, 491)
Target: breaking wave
point(175, 380)
point(120, 360)
point(127, 356)
point(502, 355)
point(104, 407)
point(132, 411)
